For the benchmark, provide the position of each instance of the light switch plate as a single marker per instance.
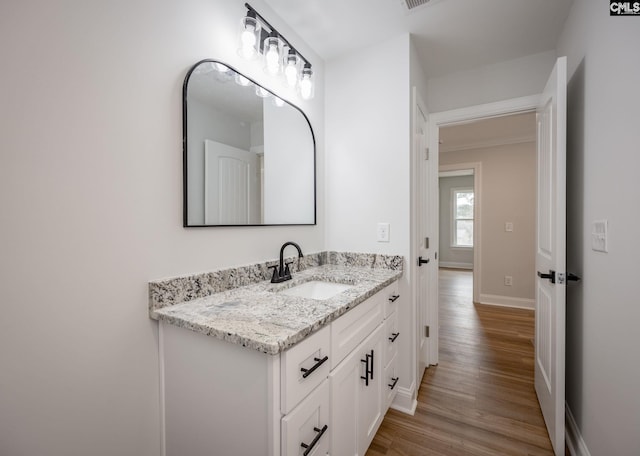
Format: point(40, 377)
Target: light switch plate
point(508, 226)
point(383, 232)
point(599, 239)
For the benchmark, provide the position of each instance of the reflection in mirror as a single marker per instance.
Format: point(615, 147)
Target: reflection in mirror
point(249, 156)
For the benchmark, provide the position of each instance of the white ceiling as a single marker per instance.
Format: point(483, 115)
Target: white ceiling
point(450, 35)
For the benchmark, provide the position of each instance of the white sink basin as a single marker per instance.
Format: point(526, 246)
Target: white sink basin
point(316, 289)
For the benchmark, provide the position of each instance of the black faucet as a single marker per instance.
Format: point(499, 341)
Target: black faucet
point(282, 273)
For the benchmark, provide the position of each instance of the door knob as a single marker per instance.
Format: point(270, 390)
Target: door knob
point(551, 276)
point(421, 261)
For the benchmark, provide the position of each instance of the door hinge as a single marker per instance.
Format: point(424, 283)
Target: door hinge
point(426, 331)
point(426, 153)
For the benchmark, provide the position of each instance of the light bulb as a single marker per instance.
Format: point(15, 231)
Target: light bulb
point(248, 39)
point(273, 59)
point(306, 83)
point(220, 67)
point(262, 92)
point(271, 49)
point(291, 74)
point(241, 80)
point(291, 69)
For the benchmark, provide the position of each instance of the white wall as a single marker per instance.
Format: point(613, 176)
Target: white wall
point(507, 194)
point(452, 256)
point(511, 79)
point(91, 198)
point(368, 160)
point(602, 168)
point(288, 166)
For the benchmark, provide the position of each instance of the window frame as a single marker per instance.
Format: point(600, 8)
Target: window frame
point(454, 219)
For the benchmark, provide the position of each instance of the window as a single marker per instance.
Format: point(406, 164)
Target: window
point(462, 217)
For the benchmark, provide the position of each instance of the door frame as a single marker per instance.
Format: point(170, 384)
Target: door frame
point(477, 219)
point(461, 116)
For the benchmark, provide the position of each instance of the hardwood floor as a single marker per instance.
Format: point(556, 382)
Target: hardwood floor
point(480, 399)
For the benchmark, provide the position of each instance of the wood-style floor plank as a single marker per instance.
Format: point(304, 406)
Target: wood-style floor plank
point(480, 399)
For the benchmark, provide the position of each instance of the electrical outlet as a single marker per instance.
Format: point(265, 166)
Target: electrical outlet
point(383, 232)
point(508, 280)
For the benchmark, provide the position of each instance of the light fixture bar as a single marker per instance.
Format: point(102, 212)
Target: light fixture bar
point(272, 29)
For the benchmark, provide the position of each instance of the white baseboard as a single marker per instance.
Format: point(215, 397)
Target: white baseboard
point(454, 265)
point(507, 301)
point(404, 401)
point(574, 440)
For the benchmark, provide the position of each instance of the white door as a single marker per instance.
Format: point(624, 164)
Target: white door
point(424, 262)
point(230, 185)
point(550, 254)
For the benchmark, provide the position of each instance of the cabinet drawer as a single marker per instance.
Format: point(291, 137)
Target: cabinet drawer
point(390, 382)
point(306, 429)
point(392, 338)
point(351, 328)
point(391, 298)
point(303, 367)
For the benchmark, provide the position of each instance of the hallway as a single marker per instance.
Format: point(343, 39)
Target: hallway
point(480, 399)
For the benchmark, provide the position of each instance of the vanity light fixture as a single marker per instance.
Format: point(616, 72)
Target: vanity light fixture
point(257, 36)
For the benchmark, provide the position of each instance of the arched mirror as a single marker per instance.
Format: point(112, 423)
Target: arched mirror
point(249, 156)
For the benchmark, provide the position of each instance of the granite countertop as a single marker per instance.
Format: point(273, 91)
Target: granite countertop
point(258, 317)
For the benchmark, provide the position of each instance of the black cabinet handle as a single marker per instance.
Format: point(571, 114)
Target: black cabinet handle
point(366, 369)
point(395, 380)
point(421, 261)
point(309, 448)
point(551, 276)
point(393, 298)
point(395, 336)
point(319, 362)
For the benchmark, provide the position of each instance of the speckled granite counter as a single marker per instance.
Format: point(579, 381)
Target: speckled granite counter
point(255, 314)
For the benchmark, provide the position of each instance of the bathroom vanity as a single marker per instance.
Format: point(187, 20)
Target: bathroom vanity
point(307, 367)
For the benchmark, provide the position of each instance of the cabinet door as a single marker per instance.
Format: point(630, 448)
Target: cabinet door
point(370, 408)
point(344, 382)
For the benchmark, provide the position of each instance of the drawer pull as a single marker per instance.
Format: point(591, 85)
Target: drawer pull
point(368, 371)
point(395, 380)
point(309, 447)
point(393, 298)
point(395, 336)
point(319, 362)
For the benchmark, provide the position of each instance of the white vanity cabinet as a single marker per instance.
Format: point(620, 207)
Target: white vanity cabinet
point(361, 389)
point(325, 395)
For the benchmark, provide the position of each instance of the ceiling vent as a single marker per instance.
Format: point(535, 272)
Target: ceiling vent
point(411, 4)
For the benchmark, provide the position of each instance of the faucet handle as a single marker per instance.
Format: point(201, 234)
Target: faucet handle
point(274, 276)
point(287, 271)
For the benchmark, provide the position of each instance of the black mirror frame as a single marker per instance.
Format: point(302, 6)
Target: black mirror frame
point(184, 153)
